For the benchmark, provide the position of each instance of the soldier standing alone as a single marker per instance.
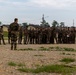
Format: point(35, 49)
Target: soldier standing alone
point(14, 27)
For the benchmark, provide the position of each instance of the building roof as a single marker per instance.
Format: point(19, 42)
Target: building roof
point(6, 25)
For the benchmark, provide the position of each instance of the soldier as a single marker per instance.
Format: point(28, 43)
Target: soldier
point(14, 29)
point(1, 35)
point(52, 36)
point(20, 35)
point(60, 37)
point(26, 35)
point(72, 37)
point(9, 35)
point(48, 35)
point(36, 36)
point(64, 37)
point(30, 36)
point(33, 36)
point(40, 36)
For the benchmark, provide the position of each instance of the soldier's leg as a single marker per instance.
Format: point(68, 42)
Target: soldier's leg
point(30, 40)
point(36, 40)
point(3, 40)
point(73, 40)
point(27, 39)
point(15, 42)
point(15, 45)
point(24, 39)
point(21, 40)
point(18, 40)
point(9, 40)
point(40, 40)
point(33, 40)
point(12, 43)
point(0, 40)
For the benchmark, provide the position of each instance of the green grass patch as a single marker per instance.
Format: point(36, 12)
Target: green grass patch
point(16, 64)
point(50, 69)
point(67, 60)
point(62, 69)
point(24, 70)
point(26, 49)
point(67, 53)
point(58, 48)
point(12, 64)
point(38, 55)
point(48, 49)
point(43, 49)
point(51, 47)
point(69, 49)
point(37, 65)
point(61, 49)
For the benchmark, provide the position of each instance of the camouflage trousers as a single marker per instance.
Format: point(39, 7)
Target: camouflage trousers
point(2, 38)
point(13, 41)
point(9, 38)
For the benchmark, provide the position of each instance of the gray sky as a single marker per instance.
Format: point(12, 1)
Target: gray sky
point(31, 11)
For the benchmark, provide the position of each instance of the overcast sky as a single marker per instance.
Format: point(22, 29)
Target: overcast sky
point(31, 11)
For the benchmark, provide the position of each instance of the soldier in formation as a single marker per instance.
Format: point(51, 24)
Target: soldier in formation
point(9, 35)
point(50, 36)
point(1, 35)
point(26, 35)
point(39, 35)
point(20, 35)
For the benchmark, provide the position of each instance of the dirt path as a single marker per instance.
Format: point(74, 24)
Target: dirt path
point(31, 58)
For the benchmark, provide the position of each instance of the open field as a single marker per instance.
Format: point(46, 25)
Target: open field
point(28, 59)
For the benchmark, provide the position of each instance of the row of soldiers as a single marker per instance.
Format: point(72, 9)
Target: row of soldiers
point(42, 36)
point(45, 36)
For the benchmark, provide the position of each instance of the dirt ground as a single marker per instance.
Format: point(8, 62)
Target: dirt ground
point(30, 58)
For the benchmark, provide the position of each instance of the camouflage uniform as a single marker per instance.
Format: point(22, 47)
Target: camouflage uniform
point(30, 36)
point(60, 37)
point(26, 36)
point(40, 36)
point(52, 37)
point(36, 36)
point(72, 37)
point(20, 35)
point(9, 35)
point(1, 35)
point(14, 29)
